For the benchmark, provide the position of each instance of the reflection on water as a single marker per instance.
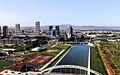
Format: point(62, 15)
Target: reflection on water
point(78, 55)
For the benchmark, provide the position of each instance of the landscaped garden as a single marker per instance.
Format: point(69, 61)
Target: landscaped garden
point(39, 58)
point(66, 48)
point(4, 64)
point(111, 52)
point(96, 62)
point(60, 47)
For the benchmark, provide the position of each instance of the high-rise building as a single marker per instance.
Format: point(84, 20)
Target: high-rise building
point(57, 30)
point(0, 30)
point(70, 32)
point(37, 30)
point(50, 30)
point(37, 26)
point(54, 33)
point(17, 27)
point(5, 31)
point(18, 30)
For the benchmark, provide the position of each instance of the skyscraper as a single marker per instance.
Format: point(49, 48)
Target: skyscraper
point(54, 33)
point(70, 32)
point(37, 30)
point(37, 26)
point(18, 30)
point(57, 30)
point(5, 31)
point(17, 27)
point(0, 30)
point(50, 30)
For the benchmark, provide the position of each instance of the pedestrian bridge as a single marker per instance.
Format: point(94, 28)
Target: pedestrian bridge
point(63, 70)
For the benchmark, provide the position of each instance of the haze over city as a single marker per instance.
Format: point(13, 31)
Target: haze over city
point(59, 37)
point(75, 12)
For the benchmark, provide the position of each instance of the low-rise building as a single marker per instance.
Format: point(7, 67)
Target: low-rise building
point(37, 49)
point(11, 41)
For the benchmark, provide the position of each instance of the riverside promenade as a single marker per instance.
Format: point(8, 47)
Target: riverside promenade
point(89, 62)
point(51, 60)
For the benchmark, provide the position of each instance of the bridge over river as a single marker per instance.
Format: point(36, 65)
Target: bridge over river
point(75, 62)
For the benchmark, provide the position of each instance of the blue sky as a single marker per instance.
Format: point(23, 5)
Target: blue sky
point(75, 12)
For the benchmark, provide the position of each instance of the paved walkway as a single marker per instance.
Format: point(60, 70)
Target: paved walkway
point(51, 60)
point(60, 59)
point(54, 45)
point(89, 62)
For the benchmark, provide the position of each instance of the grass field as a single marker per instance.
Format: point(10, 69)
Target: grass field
point(60, 47)
point(96, 61)
point(4, 63)
point(52, 51)
point(53, 63)
point(112, 52)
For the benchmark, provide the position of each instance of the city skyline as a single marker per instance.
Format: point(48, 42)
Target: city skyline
point(77, 12)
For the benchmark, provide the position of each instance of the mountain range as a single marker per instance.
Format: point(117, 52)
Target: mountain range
point(88, 27)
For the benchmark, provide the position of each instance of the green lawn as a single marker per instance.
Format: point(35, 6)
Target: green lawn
point(4, 63)
point(60, 47)
point(114, 50)
point(96, 61)
point(113, 55)
point(55, 61)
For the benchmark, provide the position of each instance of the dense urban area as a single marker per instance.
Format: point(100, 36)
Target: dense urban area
point(30, 50)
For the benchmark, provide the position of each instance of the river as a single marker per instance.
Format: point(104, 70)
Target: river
point(78, 55)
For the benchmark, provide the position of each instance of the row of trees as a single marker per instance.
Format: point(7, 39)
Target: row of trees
point(28, 45)
point(82, 38)
point(36, 43)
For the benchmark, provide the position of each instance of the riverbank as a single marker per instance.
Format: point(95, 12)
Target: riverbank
point(89, 62)
point(53, 61)
point(110, 53)
point(96, 62)
point(107, 66)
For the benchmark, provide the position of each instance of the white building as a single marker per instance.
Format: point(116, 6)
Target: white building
point(37, 49)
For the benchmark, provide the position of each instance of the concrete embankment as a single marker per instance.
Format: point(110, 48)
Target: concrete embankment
point(89, 62)
point(51, 60)
point(63, 56)
point(55, 58)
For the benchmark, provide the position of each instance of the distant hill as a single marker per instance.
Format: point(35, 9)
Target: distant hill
point(89, 27)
